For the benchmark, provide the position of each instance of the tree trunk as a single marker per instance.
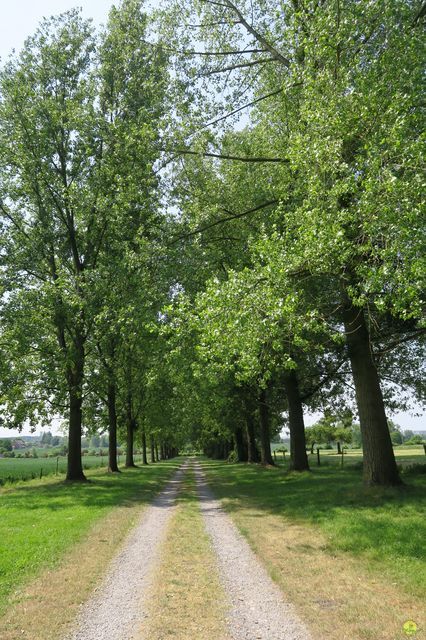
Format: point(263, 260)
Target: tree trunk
point(298, 457)
point(112, 429)
point(240, 446)
point(152, 446)
point(265, 436)
point(75, 383)
point(130, 435)
point(252, 453)
point(157, 458)
point(144, 457)
point(378, 457)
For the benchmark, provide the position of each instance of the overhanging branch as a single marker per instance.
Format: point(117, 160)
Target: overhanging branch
point(234, 216)
point(241, 65)
point(224, 156)
point(245, 106)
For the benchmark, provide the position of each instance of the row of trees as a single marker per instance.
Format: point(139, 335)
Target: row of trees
point(173, 269)
point(82, 278)
point(304, 220)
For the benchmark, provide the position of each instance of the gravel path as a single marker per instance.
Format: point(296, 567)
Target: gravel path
point(117, 608)
point(257, 607)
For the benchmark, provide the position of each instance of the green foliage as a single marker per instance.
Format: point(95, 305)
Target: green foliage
point(331, 429)
point(336, 163)
point(6, 444)
point(151, 250)
point(415, 440)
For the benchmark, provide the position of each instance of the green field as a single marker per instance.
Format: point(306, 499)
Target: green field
point(40, 520)
point(17, 469)
point(405, 456)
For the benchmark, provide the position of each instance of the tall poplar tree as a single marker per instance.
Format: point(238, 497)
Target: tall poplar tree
point(78, 137)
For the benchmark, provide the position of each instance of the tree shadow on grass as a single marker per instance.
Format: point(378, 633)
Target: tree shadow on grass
point(137, 485)
point(375, 520)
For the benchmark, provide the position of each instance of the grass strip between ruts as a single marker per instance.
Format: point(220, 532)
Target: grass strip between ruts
point(187, 599)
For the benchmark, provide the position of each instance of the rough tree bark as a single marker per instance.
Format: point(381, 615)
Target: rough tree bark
point(379, 465)
point(75, 376)
point(252, 454)
point(240, 445)
point(265, 434)
point(144, 456)
point(298, 457)
point(112, 429)
point(130, 434)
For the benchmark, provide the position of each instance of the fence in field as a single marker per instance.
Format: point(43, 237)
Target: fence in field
point(22, 469)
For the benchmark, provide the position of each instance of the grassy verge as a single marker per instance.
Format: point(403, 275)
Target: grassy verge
point(41, 520)
point(187, 600)
point(352, 559)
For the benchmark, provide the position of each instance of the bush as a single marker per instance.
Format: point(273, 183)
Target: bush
point(415, 440)
point(232, 458)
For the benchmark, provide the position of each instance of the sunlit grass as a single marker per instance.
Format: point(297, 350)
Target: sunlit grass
point(39, 521)
point(387, 526)
point(351, 558)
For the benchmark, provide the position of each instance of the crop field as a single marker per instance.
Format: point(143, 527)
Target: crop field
point(18, 469)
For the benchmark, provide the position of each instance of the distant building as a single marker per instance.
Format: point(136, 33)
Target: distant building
point(18, 444)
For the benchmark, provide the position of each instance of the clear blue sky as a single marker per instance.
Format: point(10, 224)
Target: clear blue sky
point(19, 19)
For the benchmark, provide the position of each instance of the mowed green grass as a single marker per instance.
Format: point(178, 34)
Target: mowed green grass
point(385, 527)
point(16, 469)
point(39, 520)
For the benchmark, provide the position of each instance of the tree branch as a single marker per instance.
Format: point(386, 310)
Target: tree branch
point(222, 156)
point(258, 36)
point(223, 220)
point(421, 13)
point(242, 65)
point(245, 106)
point(396, 343)
point(216, 53)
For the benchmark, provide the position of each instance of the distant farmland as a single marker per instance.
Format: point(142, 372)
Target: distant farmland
point(17, 469)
